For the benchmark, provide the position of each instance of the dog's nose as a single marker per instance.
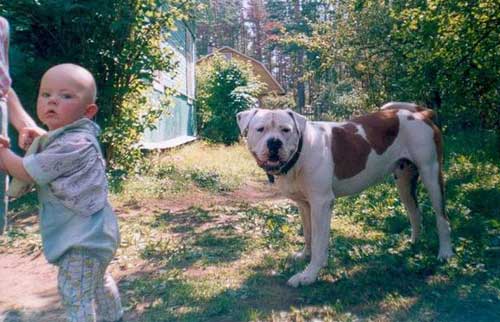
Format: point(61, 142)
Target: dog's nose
point(274, 144)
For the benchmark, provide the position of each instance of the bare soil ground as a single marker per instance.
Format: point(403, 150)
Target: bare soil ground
point(28, 284)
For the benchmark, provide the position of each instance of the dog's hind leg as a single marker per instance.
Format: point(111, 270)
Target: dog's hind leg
point(305, 213)
point(406, 175)
point(433, 182)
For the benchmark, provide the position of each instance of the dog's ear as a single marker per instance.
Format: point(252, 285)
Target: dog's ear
point(244, 119)
point(300, 120)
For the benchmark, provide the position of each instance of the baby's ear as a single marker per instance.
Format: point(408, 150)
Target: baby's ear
point(91, 111)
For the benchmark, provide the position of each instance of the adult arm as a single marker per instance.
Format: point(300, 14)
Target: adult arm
point(25, 125)
point(17, 115)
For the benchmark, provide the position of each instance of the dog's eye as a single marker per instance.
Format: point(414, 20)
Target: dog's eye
point(285, 130)
point(260, 129)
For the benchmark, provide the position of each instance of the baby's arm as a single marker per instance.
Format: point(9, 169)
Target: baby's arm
point(12, 163)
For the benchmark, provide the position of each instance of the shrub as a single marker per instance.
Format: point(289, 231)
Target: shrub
point(224, 88)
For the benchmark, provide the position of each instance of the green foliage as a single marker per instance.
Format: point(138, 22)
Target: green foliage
point(216, 23)
point(451, 53)
point(118, 41)
point(273, 101)
point(441, 53)
point(224, 87)
point(341, 101)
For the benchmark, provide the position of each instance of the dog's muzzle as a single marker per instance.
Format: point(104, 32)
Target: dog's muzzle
point(273, 162)
point(274, 165)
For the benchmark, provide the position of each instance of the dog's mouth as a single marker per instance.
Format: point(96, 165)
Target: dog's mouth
point(272, 165)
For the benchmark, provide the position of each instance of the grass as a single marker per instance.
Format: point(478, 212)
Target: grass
point(199, 166)
point(229, 261)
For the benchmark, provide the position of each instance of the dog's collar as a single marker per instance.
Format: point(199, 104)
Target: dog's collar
point(290, 163)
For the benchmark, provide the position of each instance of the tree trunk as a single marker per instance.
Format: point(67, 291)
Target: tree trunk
point(301, 93)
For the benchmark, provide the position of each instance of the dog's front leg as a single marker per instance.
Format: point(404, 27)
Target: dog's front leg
point(321, 213)
point(305, 213)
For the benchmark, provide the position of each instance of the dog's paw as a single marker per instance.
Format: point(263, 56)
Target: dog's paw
point(445, 254)
point(300, 256)
point(302, 278)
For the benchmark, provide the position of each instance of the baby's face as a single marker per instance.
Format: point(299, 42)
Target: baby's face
point(63, 98)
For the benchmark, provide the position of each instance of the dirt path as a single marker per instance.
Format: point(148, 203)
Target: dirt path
point(28, 289)
point(28, 284)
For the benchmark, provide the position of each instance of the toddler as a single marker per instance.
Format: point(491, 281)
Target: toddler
point(79, 229)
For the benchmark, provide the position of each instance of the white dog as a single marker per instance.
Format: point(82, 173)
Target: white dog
point(315, 162)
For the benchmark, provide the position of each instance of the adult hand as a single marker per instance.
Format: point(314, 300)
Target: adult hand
point(4, 142)
point(27, 135)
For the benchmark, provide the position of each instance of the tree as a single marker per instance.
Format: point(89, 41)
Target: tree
point(256, 18)
point(219, 24)
point(440, 53)
point(118, 41)
point(460, 51)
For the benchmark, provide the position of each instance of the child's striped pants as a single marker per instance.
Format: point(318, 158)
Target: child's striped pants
point(86, 289)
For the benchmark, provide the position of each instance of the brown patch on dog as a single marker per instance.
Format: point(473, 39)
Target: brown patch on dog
point(381, 128)
point(426, 113)
point(350, 151)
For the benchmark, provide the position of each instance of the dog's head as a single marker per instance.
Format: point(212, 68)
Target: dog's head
point(272, 135)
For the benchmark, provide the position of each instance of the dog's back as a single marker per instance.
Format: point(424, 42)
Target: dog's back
point(426, 113)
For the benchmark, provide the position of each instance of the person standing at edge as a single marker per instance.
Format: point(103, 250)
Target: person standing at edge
point(11, 109)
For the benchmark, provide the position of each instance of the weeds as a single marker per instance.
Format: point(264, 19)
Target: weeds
point(218, 262)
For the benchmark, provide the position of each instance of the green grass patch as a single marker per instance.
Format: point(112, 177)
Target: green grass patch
point(230, 262)
point(199, 166)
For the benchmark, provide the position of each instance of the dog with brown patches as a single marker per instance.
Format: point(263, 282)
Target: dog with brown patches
point(315, 162)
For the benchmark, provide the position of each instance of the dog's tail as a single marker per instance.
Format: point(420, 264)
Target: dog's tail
point(424, 112)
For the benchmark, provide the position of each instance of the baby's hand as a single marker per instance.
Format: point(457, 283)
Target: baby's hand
point(27, 135)
point(4, 142)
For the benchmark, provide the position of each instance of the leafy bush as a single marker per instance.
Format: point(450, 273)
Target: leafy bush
point(341, 101)
point(118, 41)
point(224, 88)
